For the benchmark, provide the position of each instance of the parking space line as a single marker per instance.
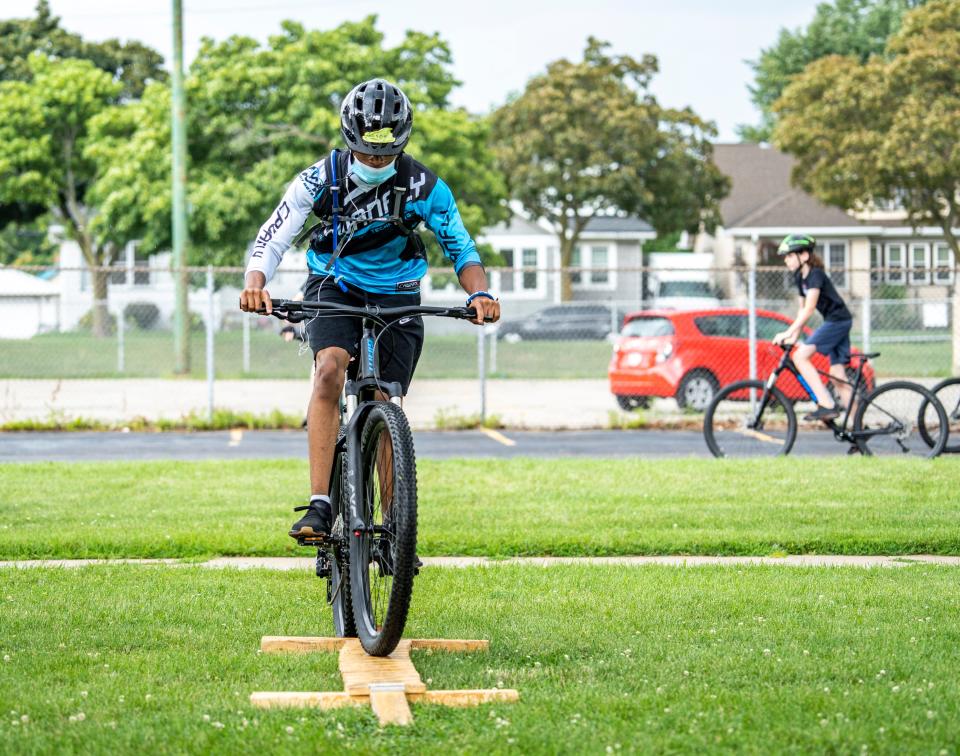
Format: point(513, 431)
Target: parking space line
point(498, 437)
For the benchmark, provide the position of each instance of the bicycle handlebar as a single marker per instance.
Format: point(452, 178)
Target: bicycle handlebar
point(295, 311)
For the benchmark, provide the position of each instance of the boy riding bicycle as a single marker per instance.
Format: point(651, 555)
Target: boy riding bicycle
point(832, 338)
point(364, 250)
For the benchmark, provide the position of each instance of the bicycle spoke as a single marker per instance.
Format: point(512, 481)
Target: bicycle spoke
point(890, 422)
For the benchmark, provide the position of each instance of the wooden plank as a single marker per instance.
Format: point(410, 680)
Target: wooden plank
point(295, 700)
point(468, 697)
point(359, 669)
point(286, 643)
point(389, 703)
point(459, 646)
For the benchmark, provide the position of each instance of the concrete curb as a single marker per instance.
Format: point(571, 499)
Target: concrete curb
point(306, 563)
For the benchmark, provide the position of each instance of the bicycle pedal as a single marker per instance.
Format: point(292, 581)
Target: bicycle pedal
point(313, 541)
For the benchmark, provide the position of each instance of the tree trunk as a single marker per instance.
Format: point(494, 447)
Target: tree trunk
point(101, 316)
point(566, 279)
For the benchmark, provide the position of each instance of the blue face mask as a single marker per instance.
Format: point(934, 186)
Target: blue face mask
point(372, 176)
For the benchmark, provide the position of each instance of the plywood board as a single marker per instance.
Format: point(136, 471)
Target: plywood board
point(286, 643)
point(359, 669)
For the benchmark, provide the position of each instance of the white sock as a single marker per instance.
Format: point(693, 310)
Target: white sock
point(319, 497)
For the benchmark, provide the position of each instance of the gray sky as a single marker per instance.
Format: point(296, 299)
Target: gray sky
point(497, 44)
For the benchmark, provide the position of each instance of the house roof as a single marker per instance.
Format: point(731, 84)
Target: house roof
point(761, 194)
point(606, 223)
point(517, 225)
point(16, 283)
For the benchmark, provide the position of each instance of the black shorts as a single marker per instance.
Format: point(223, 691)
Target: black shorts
point(399, 347)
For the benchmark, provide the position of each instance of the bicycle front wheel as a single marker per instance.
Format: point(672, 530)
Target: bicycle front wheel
point(383, 552)
point(895, 418)
point(948, 394)
point(736, 425)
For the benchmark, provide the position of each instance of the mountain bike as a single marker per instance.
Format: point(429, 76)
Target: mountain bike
point(755, 418)
point(948, 394)
point(369, 559)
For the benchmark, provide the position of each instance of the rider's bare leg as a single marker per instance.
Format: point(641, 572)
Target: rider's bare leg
point(844, 389)
point(801, 358)
point(323, 415)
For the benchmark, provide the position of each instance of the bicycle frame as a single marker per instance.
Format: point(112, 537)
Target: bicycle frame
point(786, 363)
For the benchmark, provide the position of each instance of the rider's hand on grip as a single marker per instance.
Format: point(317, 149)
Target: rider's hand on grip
point(254, 297)
point(485, 310)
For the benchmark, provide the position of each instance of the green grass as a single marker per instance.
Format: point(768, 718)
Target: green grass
point(497, 507)
point(640, 660)
point(149, 354)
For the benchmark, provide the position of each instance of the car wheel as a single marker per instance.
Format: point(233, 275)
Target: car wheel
point(512, 338)
point(697, 390)
point(629, 402)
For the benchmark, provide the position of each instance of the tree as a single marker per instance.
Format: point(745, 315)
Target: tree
point(858, 28)
point(43, 135)
point(259, 115)
point(133, 64)
point(886, 129)
point(588, 138)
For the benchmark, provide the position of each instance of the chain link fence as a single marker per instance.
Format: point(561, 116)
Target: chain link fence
point(659, 339)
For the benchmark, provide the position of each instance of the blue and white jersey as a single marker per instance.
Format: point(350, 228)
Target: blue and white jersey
point(379, 257)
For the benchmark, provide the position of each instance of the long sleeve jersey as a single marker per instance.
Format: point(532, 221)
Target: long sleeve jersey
point(379, 257)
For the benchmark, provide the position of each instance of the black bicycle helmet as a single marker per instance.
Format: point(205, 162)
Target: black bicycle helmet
point(796, 243)
point(376, 118)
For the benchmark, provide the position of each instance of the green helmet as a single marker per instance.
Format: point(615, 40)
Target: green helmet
point(796, 243)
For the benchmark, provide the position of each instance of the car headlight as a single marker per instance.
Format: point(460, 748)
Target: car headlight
point(633, 359)
point(664, 352)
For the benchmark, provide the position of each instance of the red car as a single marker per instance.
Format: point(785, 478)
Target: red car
point(689, 355)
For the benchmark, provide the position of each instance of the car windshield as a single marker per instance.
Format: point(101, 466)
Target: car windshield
point(685, 289)
point(647, 327)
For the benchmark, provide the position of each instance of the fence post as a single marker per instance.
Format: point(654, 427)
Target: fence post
point(867, 314)
point(493, 348)
point(752, 318)
point(246, 342)
point(482, 371)
point(121, 356)
point(955, 362)
point(210, 366)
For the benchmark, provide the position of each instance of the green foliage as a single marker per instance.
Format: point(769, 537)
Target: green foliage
point(588, 138)
point(856, 28)
point(86, 322)
point(663, 243)
point(26, 243)
point(260, 114)
point(885, 129)
point(132, 64)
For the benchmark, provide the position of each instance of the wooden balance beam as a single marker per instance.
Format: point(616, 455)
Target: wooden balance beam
point(386, 683)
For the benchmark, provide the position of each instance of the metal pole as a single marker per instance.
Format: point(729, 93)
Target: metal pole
point(867, 315)
point(210, 365)
point(181, 333)
point(752, 326)
point(493, 348)
point(246, 342)
point(121, 327)
point(482, 372)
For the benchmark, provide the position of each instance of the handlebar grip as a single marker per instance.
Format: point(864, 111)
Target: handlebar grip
point(471, 313)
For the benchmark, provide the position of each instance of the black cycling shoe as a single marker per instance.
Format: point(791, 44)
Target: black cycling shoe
point(315, 524)
point(822, 413)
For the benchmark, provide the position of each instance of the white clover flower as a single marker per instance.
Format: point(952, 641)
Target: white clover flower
point(206, 717)
point(289, 730)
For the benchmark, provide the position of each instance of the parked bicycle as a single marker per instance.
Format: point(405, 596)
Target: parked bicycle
point(948, 394)
point(754, 418)
point(369, 560)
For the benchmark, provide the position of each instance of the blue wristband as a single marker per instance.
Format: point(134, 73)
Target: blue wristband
point(476, 294)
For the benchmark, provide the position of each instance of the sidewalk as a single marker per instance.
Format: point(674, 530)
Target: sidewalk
point(539, 404)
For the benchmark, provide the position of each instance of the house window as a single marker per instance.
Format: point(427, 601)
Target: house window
point(834, 256)
point(919, 264)
point(530, 278)
point(895, 263)
point(596, 264)
point(530, 282)
point(506, 279)
point(575, 276)
point(599, 260)
point(943, 260)
point(876, 263)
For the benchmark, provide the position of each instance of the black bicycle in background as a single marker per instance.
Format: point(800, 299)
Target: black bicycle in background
point(754, 418)
point(369, 560)
point(948, 394)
